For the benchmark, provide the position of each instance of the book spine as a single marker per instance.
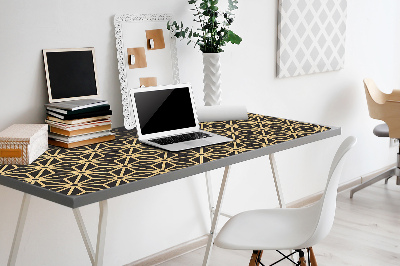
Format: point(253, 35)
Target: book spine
point(84, 125)
point(55, 115)
point(89, 105)
point(78, 121)
point(79, 111)
point(61, 111)
point(79, 131)
point(81, 143)
point(80, 116)
point(73, 105)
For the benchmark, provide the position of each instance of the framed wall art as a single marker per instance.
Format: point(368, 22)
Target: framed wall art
point(146, 53)
point(311, 36)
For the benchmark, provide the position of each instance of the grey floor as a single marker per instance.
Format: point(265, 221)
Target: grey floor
point(366, 232)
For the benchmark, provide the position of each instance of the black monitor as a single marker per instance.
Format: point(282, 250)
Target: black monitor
point(70, 74)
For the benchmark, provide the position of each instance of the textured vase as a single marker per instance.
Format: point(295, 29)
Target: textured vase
point(212, 75)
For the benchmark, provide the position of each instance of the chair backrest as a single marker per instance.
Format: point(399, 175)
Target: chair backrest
point(377, 95)
point(385, 107)
point(327, 203)
point(375, 99)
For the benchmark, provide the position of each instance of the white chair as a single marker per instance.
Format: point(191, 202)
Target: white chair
point(287, 229)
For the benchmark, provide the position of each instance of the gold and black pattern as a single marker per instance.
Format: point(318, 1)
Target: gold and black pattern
point(100, 166)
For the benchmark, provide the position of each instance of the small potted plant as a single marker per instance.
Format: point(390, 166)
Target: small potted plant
point(212, 35)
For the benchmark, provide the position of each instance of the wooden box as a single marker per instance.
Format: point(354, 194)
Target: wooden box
point(23, 143)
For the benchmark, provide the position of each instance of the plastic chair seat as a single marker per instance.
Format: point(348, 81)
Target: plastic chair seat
point(269, 229)
point(275, 229)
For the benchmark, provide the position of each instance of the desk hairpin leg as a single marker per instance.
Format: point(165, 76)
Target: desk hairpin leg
point(216, 217)
point(278, 187)
point(19, 229)
point(210, 195)
point(95, 258)
point(277, 182)
point(85, 236)
point(211, 198)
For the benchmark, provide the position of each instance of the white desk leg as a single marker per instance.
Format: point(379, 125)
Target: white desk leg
point(210, 195)
point(95, 258)
point(101, 233)
point(277, 182)
point(85, 236)
point(215, 217)
point(19, 230)
point(278, 187)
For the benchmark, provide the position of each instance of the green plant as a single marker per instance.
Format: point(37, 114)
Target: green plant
point(214, 32)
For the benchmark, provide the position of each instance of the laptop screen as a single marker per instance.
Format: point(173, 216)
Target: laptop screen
point(164, 110)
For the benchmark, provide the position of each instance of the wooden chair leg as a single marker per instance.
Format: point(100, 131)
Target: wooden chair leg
point(255, 257)
point(313, 260)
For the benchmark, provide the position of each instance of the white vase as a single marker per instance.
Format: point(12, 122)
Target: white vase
point(212, 75)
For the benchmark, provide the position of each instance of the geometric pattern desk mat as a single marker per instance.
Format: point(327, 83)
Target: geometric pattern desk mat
point(100, 166)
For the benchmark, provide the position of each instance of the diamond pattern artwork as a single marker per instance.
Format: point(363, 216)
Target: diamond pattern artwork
point(311, 36)
point(105, 165)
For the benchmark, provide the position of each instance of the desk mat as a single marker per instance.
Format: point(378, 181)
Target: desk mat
point(100, 166)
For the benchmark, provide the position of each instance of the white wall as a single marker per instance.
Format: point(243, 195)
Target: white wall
point(148, 221)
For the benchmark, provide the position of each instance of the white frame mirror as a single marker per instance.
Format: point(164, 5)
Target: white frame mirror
point(130, 32)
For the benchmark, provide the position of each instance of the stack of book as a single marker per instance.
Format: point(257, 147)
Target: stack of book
point(80, 122)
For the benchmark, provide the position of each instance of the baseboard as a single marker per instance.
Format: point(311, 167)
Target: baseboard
point(315, 197)
point(342, 187)
point(172, 252)
point(369, 176)
point(200, 242)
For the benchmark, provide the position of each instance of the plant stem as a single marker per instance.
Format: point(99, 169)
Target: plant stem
point(202, 22)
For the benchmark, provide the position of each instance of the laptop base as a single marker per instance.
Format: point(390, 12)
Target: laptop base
point(213, 139)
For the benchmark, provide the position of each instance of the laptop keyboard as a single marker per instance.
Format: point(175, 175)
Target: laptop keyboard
point(180, 138)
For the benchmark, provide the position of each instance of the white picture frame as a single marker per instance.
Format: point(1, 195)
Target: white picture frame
point(163, 64)
point(78, 96)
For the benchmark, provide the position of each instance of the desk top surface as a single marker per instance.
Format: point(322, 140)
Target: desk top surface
point(83, 175)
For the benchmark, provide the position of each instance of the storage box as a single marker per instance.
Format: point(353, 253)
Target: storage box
point(23, 143)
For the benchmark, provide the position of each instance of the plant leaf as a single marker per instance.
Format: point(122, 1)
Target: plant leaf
point(204, 5)
point(233, 38)
point(232, 5)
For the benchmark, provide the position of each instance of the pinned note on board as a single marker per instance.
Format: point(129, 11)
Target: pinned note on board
point(155, 39)
point(148, 82)
point(137, 57)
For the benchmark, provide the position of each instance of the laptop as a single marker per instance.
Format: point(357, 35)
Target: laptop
point(166, 118)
